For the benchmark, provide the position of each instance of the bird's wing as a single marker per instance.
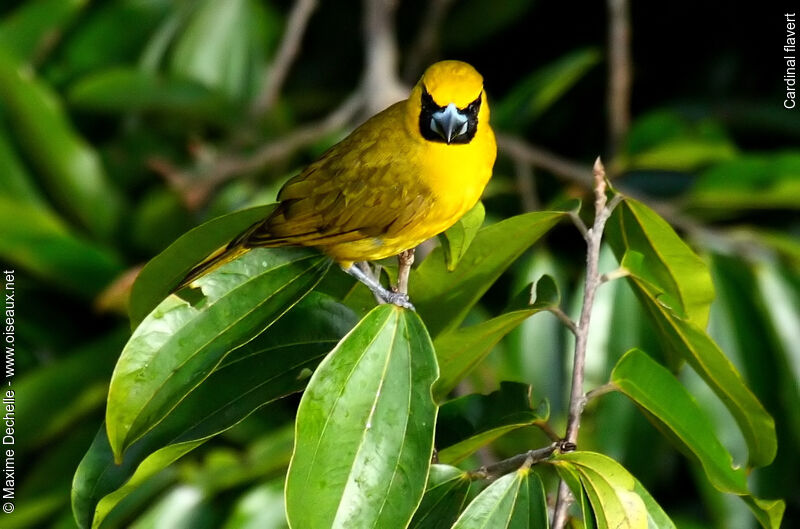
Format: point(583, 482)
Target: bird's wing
point(365, 186)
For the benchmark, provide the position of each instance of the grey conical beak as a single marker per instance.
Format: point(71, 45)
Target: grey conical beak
point(449, 123)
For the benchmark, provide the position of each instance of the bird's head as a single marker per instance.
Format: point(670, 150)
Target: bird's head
point(448, 104)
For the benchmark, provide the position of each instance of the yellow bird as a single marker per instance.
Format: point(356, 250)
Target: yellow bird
point(404, 176)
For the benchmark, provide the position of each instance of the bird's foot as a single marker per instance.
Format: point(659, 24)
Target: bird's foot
point(396, 298)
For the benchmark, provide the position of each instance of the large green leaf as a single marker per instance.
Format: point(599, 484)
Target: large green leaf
point(456, 240)
point(78, 382)
point(684, 278)
point(30, 29)
point(665, 140)
point(470, 422)
point(272, 365)
point(444, 298)
point(572, 478)
point(459, 351)
point(538, 91)
point(444, 498)
point(222, 46)
point(37, 240)
point(70, 168)
point(749, 182)
point(610, 488)
point(516, 500)
point(179, 343)
point(261, 507)
point(124, 90)
point(166, 270)
point(15, 180)
point(365, 428)
point(693, 344)
point(654, 389)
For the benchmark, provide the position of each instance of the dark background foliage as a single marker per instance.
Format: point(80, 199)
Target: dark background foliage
point(710, 143)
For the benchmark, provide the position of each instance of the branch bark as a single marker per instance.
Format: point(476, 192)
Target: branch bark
point(577, 401)
point(619, 73)
point(285, 56)
point(513, 463)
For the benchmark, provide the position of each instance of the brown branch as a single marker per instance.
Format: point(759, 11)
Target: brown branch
point(427, 39)
point(526, 185)
point(380, 82)
point(566, 320)
point(287, 52)
point(404, 261)
point(531, 457)
point(195, 186)
point(577, 399)
point(521, 151)
point(619, 73)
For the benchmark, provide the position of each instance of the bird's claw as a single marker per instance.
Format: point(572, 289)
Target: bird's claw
point(397, 298)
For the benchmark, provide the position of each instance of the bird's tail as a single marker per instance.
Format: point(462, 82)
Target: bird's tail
point(223, 255)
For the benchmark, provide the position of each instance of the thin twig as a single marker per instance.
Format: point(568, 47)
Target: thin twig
point(578, 222)
point(614, 274)
point(287, 52)
point(598, 391)
point(404, 261)
point(566, 320)
point(526, 185)
point(548, 430)
point(427, 39)
point(196, 187)
point(619, 73)
point(592, 281)
point(381, 85)
point(522, 151)
point(513, 463)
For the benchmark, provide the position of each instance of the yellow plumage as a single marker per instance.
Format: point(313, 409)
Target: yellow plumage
point(395, 181)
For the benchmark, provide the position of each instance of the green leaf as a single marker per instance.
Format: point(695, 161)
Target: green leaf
point(179, 344)
point(769, 513)
point(683, 277)
point(695, 346)
point(37, 240)
point(221, 47)
point(261, 507)
point(456, 240)
point(538, 91)
point(459, 351)
point(656, 517)
point(571, 477)
point(274, 364)
point(15, 181)
point(516, 500)
point(467, 423)
point(166, 270)
point(749, 182)
point(29, 30)
point(444, 298)
point(611, 490)
point(654, 389)
point(96, 41)
point(78, 382)
point(444, 498)
point(69, 167)
point(123, 90)
point(365, 428)
point(484, 18)
point(667, 141)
